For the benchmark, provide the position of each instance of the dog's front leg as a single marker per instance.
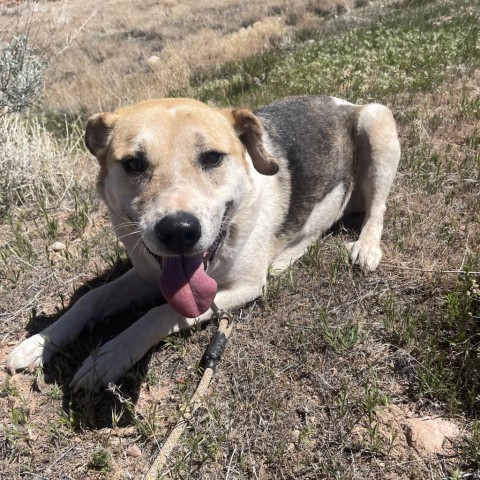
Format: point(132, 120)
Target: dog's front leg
point(96, 305)
point(119, 354)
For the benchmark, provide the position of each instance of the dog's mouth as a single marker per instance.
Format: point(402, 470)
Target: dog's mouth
point(207, 256)
point(184, 281)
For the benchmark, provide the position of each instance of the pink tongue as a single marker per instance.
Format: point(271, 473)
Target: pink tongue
point(186, 286)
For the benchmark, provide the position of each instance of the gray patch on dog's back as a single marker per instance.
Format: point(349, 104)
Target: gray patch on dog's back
point(317, 137)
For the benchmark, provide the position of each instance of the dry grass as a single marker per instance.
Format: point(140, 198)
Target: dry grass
point(109, 44)
point(30, 164)
point(302, 389)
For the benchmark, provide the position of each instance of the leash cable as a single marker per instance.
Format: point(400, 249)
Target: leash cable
point(209, 361)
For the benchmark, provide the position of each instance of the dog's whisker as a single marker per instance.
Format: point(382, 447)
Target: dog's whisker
point(120, 237)
point(126, 225)
point(139, 241)
point(135, 229)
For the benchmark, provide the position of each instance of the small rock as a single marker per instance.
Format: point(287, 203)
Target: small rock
point(128, 431)
point(134, 451)
point(58, 246)
point(115, 441)
point(154, 62)
point(295, 435)
point(429, 434)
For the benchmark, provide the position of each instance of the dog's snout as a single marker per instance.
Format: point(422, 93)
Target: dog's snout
point(179, 232)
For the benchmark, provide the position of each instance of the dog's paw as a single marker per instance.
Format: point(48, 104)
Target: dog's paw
point(31, 353)
point(366, 254)
point(101, 368)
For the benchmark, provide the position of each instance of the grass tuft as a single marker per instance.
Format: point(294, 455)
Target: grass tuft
point(101, 460)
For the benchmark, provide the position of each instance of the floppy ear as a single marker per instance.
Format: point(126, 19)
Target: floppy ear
point(250, 131)
point(97, 133)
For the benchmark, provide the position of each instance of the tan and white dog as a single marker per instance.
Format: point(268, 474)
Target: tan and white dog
point(207, 201)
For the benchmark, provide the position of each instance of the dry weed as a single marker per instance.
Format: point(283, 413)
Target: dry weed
point(38, 170)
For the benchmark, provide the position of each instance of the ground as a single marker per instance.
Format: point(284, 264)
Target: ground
point(335, 373)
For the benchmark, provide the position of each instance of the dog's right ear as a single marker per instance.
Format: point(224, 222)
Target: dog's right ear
point(97, 133)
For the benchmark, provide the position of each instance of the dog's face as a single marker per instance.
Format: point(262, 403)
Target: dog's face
point(177, 169)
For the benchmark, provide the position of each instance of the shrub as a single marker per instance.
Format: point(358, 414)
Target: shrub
point(22, 72)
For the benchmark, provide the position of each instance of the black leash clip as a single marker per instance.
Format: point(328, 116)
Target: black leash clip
point(217, 344)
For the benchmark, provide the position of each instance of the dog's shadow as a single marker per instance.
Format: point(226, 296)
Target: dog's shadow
point(349, 224)
point(86, 409)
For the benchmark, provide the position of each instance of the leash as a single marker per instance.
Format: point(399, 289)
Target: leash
point(209, 361)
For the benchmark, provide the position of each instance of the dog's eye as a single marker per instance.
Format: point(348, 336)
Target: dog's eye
point(211, 159)
point(134, 165)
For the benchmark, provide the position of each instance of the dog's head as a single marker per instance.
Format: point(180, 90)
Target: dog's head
point(178, 170)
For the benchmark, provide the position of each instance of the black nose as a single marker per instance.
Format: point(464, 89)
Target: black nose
point(179, 232)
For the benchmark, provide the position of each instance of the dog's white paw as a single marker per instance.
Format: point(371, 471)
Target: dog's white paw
point(366, 254)
point(32, 352)
point(99, 369)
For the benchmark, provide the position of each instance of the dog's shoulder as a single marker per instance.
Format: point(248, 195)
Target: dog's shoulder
point(314, 133)
point(316, 137)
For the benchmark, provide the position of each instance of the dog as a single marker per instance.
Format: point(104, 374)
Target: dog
point(208, 201)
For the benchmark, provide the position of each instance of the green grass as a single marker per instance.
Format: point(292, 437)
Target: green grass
point(444, 342)
point(8, 388)
point(338, 337)
point(101, 460)
point(407, 50)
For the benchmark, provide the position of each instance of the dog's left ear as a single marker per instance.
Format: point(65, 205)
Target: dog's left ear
point(97, 133)
point(250, 132)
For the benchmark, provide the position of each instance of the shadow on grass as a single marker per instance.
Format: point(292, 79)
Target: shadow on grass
point(350, 223)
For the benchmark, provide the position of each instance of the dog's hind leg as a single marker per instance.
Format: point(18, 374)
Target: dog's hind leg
point(378, 154)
